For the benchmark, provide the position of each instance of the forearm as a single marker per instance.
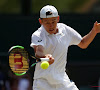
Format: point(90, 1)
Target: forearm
point(87, 39)
point(39, 51)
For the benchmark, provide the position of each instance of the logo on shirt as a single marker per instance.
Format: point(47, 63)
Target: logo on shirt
point(39, 40)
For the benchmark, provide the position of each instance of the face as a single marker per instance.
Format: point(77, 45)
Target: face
point(50, 24)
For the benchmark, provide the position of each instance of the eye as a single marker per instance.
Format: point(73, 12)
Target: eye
point(47, 23)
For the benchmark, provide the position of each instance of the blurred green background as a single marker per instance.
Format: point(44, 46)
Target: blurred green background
point(63, 6)
point(19, 19)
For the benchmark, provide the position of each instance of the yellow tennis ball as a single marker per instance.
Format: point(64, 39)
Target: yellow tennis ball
point(44, 65)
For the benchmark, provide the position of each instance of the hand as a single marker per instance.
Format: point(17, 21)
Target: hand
point(51, 59)
point(96, 27)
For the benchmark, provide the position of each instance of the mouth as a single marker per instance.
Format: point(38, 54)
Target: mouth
point(51, 29)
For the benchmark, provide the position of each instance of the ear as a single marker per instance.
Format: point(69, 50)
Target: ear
point(40, 21)
point(58, 18)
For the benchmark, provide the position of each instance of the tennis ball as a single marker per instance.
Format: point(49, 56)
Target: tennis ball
point(44, 65)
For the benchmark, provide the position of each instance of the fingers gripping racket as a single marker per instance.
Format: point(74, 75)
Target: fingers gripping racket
point(19, 60)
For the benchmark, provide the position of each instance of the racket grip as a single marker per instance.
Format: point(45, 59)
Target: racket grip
point(44, 59)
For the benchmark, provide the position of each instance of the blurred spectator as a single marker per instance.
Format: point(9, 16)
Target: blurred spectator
point(25, 83)
point(19, 82)
point(13, 79)
point(7, 85)
point(2, 78)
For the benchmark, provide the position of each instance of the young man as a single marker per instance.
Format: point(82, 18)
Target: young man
point(52, 40)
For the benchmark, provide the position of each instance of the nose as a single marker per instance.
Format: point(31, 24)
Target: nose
point(51, 25)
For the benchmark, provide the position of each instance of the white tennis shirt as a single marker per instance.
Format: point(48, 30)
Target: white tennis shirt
point(56, 45)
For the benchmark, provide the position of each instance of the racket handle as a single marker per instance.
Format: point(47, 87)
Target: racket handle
point(44, 59)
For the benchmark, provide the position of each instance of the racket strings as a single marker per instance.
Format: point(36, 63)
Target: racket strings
point(18, 60)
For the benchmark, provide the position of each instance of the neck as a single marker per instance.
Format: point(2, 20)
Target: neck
point(56, 31)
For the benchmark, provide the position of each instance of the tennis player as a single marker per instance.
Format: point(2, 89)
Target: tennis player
point(52, 40)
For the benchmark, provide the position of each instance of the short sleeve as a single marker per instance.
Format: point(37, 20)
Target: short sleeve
point(75, 37)
point(36, 40)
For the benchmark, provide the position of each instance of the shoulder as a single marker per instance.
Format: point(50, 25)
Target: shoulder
point(65, 28)
point(62, 25)
point(39, 32)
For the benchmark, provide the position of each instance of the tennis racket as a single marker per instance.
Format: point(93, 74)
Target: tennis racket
point(19, 60)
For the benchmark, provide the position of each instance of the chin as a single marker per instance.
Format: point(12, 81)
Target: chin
point(51, 33)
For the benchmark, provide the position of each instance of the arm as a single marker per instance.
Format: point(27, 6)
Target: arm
point(87, 39)
point(39, 52)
